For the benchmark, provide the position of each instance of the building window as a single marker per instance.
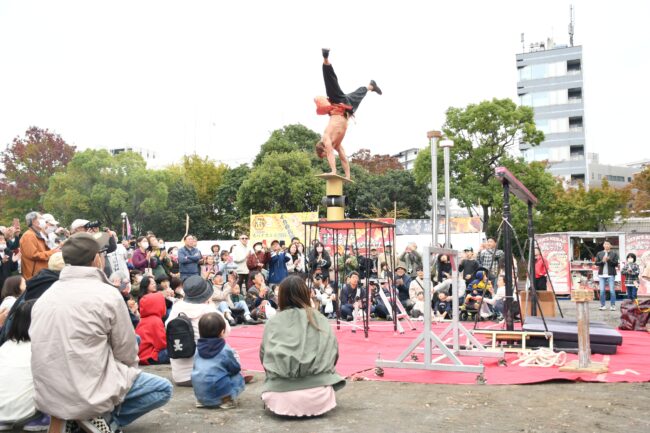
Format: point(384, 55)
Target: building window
point(615, 178)
point(573, 66)
point(577, 152)
point(629, 179)
point(574, 95)
point(575, 124)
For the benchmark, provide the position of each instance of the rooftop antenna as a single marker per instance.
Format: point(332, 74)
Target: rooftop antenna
point(571, 25)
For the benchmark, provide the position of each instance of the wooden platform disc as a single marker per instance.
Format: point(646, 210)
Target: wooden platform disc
point(594, 367)
point(328, 176)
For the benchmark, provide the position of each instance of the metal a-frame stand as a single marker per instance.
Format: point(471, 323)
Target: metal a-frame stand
point(435, 345)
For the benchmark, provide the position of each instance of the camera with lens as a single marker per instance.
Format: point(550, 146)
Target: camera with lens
point(92, 225)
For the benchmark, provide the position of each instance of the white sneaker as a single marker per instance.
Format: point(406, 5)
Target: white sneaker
point(96, 425)
point(612, 308)
point(602, 308)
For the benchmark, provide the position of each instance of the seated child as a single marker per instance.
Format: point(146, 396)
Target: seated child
point(479, 289)
point(17, 390)
point(498, 300)
point(151, 330)
point(442, 306)
point(216, 375)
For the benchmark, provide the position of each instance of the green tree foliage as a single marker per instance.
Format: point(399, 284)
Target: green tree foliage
point(230, 218)
point(483, 135)
point(282, 182)
point(169, 222)
point(374, 195)
point(291, 138)
point(577, 209)
point(26, 166)
point(97, 185)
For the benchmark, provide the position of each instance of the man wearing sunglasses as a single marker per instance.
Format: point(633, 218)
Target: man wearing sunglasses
point(239, 255)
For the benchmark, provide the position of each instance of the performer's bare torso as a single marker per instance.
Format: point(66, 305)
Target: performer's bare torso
point(336, 129)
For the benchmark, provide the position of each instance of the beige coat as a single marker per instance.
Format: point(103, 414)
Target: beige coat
point(84, 351)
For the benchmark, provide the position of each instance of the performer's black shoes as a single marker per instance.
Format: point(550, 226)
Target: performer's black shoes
point(375, 87)
point(326, 53)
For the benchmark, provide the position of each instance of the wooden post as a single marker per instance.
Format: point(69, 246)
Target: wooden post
point(582, 297)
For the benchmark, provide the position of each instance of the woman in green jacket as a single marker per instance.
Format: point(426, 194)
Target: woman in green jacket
point(299, 353)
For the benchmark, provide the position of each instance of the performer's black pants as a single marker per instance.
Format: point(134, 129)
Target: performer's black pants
point(540, 283)
point(336, 95)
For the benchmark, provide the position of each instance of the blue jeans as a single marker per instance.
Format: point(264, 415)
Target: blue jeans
point(631, 292)
point(612, 293)
point(148, 392)
point(223, 307)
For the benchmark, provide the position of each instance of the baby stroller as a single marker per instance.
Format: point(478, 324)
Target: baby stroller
point(478, 289)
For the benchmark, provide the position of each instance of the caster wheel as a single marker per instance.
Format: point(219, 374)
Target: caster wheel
point(480, 379)
point(379, 371)
point(414, 357)
point(502, 363)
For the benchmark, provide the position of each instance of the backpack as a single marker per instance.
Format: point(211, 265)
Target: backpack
point(180, 337)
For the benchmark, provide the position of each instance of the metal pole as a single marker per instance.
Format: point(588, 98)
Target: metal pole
point(434, 136)
point(447, 213)
point(507, 247)
point(531, 260)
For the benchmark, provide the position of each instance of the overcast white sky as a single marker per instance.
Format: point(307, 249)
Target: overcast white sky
point(217, 77)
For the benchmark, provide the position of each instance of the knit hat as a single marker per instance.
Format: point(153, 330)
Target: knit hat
point(197, 290)
point(80, 249)
point(56, 263)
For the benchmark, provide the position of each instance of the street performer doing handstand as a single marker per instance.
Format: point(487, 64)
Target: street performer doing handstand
point(340, 108)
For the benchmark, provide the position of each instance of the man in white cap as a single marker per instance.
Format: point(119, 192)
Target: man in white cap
point(78, 226)
point(50, 227)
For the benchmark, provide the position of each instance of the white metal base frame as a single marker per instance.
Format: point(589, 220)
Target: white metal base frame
point(434, 345)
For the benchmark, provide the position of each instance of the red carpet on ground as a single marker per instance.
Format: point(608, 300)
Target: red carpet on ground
point(357, 358)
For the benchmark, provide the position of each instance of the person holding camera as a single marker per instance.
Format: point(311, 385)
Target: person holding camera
point(319, 260)
point(278, 270)
point(411, 259)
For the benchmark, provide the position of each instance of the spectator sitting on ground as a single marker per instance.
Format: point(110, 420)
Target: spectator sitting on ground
point(299, 353)
point(353, 296)
point(260, 299)
point(498, 300)
point(151, 330)
point(443, 305)
point(147, 285)
point(34, 252)
point(176, 284)
point(224, 303)
point(417, 285)
point(403, 284)
point(12, 288)
point(196, 303)
point(123, 283)
point(216, 375)
point(84, 360)
point(34, 288)
point(443, 268)
point(17, 390)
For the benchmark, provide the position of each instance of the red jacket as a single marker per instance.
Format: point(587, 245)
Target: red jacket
point(151, 328)
point(541, 267)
